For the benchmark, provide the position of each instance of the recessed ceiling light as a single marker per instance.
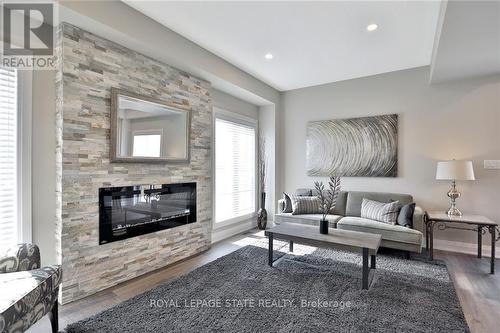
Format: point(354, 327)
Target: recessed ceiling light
point(372, 27)
point(268, 56)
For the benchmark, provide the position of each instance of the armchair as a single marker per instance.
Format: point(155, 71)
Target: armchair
point(27, 292)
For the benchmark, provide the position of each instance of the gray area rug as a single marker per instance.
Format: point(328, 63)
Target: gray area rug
point(311, 290)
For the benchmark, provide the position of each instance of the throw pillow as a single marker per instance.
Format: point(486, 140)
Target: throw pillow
point(288, 203)
point(303, 192)
point(380, 211)
point(305, 205)
point(405, 217)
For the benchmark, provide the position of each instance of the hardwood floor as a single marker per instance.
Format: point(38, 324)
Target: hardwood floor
point(478, 291)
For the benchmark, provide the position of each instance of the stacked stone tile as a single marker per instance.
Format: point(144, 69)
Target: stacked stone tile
point(89, 66)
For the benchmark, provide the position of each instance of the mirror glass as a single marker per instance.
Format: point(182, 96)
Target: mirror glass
point(149, 130)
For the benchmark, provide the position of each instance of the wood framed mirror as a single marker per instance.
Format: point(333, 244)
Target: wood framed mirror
point(147, 130)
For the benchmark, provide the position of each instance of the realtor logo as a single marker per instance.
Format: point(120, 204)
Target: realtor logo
point(28, 29)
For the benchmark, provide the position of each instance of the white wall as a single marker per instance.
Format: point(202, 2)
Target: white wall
point(233, 104)
point(44, 165)
point(436, 122)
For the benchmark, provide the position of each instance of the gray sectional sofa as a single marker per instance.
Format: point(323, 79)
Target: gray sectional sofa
point(347, 216)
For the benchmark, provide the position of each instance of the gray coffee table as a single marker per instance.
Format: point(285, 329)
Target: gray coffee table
point(352, 241)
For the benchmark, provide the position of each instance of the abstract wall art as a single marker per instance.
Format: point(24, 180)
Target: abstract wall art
point(355, 147)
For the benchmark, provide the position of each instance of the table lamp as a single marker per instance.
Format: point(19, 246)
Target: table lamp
point(454, 170)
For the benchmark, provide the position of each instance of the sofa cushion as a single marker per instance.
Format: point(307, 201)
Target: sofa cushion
point(339, 208)
point(355, 199)
point(311, 219)
point(305, 205)
point(380, 211)
point(395, 233)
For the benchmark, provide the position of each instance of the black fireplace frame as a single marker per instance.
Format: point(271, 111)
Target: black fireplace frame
point(109, 233)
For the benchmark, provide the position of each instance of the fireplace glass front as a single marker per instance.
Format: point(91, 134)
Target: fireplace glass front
point(130, 211)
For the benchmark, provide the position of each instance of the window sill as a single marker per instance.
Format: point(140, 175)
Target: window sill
point(233, 221)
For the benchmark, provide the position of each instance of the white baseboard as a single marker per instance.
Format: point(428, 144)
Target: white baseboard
point(460, 247)
point(238, 228)
point(220, 234)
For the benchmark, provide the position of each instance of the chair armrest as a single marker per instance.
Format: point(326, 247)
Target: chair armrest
point(281, 206)
point(22, 257)
point(418, 218)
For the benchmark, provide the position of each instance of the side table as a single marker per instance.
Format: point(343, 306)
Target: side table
point(442, 220)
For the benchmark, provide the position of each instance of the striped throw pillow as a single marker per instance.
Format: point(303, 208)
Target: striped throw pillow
point(305, 205)
point(380, 211)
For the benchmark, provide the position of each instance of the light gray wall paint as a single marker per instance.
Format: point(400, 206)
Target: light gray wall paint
point(44, 165)
point(467, 42)
point(230, 103)
point(436, 122)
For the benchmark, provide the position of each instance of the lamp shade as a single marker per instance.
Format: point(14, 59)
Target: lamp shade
point(455, 170)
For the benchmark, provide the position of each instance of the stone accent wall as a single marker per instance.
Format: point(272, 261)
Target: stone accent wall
point(89, 67)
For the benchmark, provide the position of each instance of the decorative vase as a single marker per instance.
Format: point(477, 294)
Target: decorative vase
point(323, 227)
point(262, 213)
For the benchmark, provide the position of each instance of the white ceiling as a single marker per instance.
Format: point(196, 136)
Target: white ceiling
point(312, 42)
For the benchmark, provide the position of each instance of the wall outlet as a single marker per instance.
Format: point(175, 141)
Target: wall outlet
point(492, 164)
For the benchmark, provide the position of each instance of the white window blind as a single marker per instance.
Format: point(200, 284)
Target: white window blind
point(8, 157)
point(235, 170)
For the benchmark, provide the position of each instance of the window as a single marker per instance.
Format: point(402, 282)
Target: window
point(15, 152)
point(235, 169)
point(147, 144)
point(8, 156)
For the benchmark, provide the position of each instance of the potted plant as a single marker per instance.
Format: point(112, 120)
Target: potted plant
point(328, 200)
point(262, 213)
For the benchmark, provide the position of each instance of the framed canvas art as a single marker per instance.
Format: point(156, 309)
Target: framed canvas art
point(355, 147)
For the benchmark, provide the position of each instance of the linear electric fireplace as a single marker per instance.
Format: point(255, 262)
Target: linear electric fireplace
point(130, 211)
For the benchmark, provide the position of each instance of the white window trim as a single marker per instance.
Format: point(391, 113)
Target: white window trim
point(219, 113)
point(24, 137)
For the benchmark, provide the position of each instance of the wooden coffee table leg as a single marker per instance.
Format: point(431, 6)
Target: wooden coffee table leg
point(291, 246)
point(270, 259)
point(365, 269)
point(372, 261)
